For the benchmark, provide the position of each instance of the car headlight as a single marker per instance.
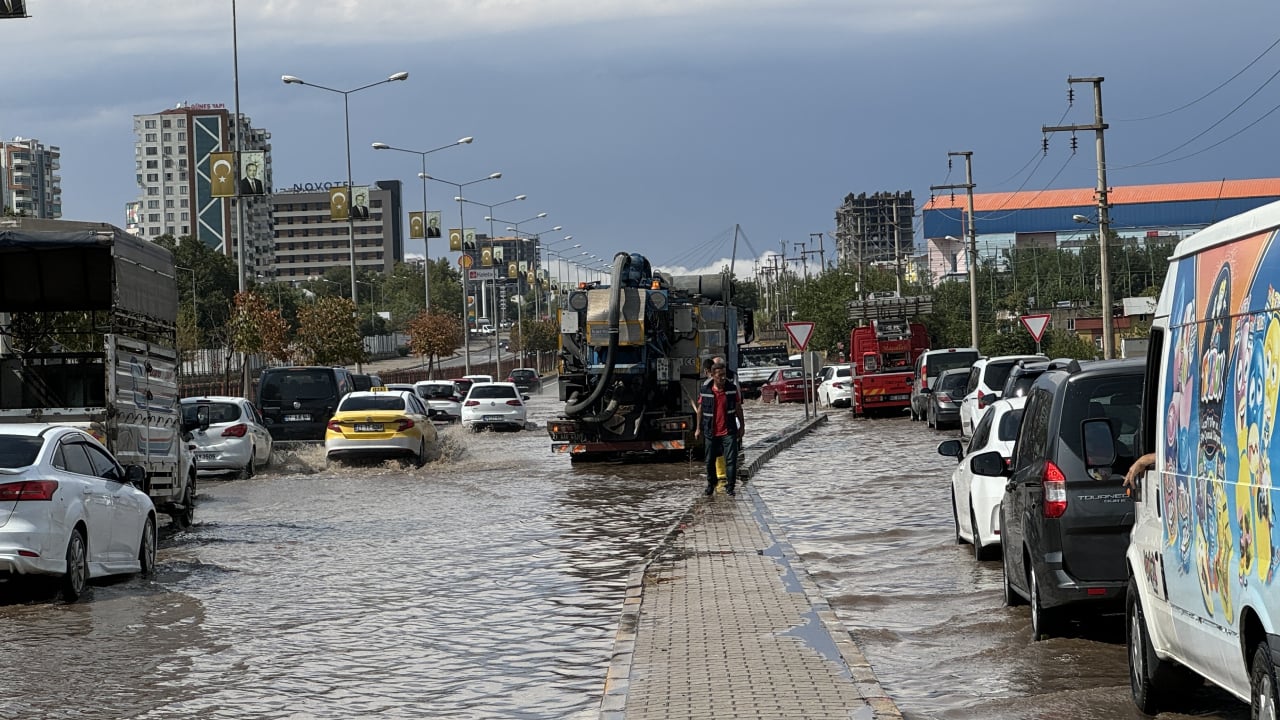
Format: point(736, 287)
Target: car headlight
point(578, 301)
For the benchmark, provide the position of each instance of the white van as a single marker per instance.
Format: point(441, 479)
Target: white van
point(1203, 592)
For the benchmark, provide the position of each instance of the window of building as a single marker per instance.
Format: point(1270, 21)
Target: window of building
point(153, 231)
point(168, 137)
point(182, 162)
point(184, 217)
point(182, 176)
point(153, 191)
point(168, 163)
point(152, 164)
point(153, 204)
point(182, 203)
point(139, 176)
point(151, 151)
point(150, 137)
point(182, 137)
point(168, 177)
point(182, 149)
point(168, 217)
point(168, 204)
point(182, 122)
point(166, 122)
point(153, 177)
point(149, 124)
point(186, 229)
point(153, 217)
point(168, 190)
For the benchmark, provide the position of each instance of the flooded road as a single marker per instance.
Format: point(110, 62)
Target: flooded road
point(866, 504)
point(489, 584)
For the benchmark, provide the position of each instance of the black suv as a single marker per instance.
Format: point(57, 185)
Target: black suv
point(362, 383)
point(526, 380)
point(1065, 517)
point(297, 402)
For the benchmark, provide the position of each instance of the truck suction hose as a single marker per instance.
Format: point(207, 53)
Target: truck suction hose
point(620, 263)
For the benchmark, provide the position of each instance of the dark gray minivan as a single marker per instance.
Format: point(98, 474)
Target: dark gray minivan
point(297, 402)
point(1065, 517)
point(928, 366)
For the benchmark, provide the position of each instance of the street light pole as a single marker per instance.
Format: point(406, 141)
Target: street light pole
point(466, 328)
point(426, 231)
point(346, 120)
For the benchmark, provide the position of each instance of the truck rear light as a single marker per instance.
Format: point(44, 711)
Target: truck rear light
point(28, 490)
point(1055, 491)
point(403, 424)
point(235, 430)
point(562, 426)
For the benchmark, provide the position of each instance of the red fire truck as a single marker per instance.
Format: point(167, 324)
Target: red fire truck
point(883, 349)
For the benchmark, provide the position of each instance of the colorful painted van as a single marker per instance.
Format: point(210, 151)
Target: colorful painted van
point(1203, 593)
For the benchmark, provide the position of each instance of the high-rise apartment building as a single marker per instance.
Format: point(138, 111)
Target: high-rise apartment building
point(308, 243)
point(172, 150)
point(29, 180)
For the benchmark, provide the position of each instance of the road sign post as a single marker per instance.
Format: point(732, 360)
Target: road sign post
point(799, 332)
point(1036, 324)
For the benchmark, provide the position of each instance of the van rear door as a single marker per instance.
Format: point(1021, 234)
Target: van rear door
point(1099, 516)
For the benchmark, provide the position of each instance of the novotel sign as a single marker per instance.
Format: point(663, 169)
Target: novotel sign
point(311, 187)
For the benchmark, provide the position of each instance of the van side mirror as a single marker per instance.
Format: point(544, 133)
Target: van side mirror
point(1099, 447)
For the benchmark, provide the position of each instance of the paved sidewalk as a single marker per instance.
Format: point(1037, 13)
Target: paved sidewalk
point(724, 622)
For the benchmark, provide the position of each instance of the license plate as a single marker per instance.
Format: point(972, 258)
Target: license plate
point(368, 427)
point(206, 455)
point(899, 397)
point(493, 418)
point(297, 418)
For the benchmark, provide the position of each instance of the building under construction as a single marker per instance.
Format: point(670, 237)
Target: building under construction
point(875, 228)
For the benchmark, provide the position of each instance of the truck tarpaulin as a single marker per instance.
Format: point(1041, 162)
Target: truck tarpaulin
point(76, 269)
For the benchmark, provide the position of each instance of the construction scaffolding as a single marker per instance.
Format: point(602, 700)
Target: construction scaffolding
point(875, 228)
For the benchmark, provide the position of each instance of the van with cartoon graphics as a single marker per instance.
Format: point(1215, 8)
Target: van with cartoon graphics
point(1203, 594)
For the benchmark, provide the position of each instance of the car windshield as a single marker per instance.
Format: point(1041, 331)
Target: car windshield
point(941, 362)
point(299, 385)
point(19, 452)
point(997, 373)
point(219, 412)
point(952, 382)
point(435, 391)
point(492, 392)
point(843, 372)
point(371, 402)
point(523, 374)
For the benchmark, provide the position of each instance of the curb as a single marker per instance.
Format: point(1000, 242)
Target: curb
point(618, 678)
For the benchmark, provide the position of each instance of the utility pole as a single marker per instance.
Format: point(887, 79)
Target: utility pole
point(1104, 207)
point(968, 186)
point(822, 249)
point(897, 250)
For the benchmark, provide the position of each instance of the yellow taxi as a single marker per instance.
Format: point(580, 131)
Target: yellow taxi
point(381, 424)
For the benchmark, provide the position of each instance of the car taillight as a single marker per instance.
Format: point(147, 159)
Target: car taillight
point(235, 431)
point(838, 385)
point(515, 403)
point(1055, 491)
point(944, 397)
point(472, 403)
point(334, 426)
point(403, 424)
point(28, 490)
point(980, 403)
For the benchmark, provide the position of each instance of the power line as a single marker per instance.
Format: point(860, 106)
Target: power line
point(1216, 89)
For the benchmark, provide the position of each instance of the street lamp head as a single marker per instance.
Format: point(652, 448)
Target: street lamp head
point(488, 219)
point(539, 215)
point(494, 176)
point(466, 140)
point(291, 80)
point(398, 76)
point(459, 198)
point(1080, 218)
point(556, 229)
point(381, 146)
point(521, 197)
point(568, 237)
point(953, 238)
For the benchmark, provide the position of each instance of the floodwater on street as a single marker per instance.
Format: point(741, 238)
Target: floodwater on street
point(874, 528)
point(487, 584)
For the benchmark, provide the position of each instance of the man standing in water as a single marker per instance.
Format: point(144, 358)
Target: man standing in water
point(720, 423)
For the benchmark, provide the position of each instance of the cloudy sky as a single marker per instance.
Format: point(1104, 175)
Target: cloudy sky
point(655, 126)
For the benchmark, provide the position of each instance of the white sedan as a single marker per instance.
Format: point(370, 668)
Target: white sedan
point(69, 510)
point(975, 499)
point(494, 405)
point(836, 389)
point(229, 435)
point(442, 395)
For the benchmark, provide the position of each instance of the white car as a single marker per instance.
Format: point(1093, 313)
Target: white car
point(441, 395)
point(478, 378)
point(69, 510)
point(228, 434)
point(975, 499)
point(986, 380)
point(494, 405)
point(836, 388)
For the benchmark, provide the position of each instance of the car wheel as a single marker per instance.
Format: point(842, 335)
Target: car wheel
point(1149, 676)
point(1262, 684)
point(186, 517)
point(421, 459)
point(955, 518)
point(1043, 620)
point(247, 471)
point(76, 581)
point(1011, 596)
point(930, 419)
point(147, 548)
point(979, 552)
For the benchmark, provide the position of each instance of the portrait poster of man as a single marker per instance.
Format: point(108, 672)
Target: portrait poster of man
point(251, 182)
point(416, 229)
point(338, 203)
point(10, 9)
point(433, 223)
point(498, 251)
point(512, 272)
point(455, 239)
point(360, 202)
point(532, 278)
point(524, 266)
point(222, 174)
point(486, 257)
point(468, 238)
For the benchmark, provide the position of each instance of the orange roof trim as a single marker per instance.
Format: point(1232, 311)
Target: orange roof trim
point(1122, 195)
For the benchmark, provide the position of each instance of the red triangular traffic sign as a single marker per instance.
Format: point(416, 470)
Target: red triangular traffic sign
point(799, 333)
point(1035, 324)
